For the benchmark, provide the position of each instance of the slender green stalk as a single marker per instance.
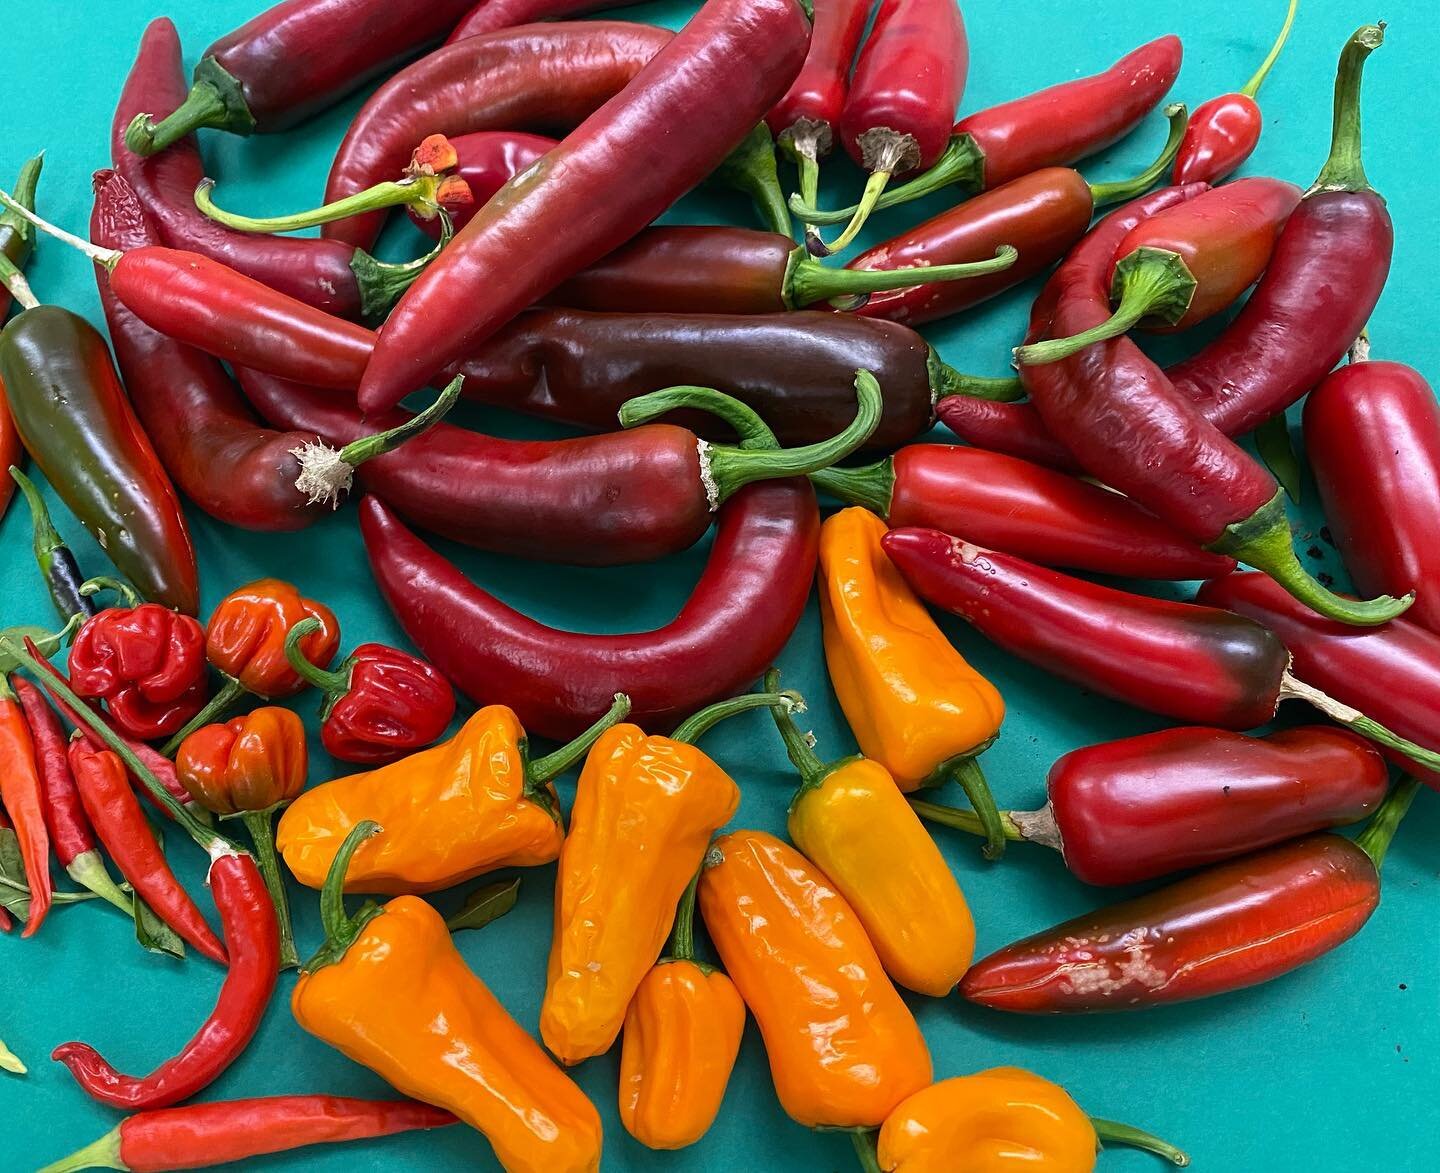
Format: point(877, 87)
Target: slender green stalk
point(1344, 169)
point(1252, 87)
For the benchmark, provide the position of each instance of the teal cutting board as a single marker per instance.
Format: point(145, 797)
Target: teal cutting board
point(1331, 1069)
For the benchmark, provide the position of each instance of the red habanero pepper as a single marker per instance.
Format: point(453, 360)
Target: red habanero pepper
point(23, 799)
point(294, 60)
point(742, 610)
point(487, 161)
point(380, 704)
point(200, 1135)
point(1224, 130)
point(1235, 925)
point(1141, 807)
point(545, 78)
point(491, 16)
point(1372, 437)
point(1195, 663)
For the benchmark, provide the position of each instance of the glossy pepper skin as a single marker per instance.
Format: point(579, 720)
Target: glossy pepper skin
point(146, 662)
point(22, 795)
point(391, 992)
point(490, 16)
point(17, 235)
point(844, 1049)
point(805, 119)
point(245, 638)
point(487, 161)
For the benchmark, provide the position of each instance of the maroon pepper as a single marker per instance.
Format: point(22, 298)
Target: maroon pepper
point(490, 16)
point(380, 704)
point(487, 161)
point(1015, 429)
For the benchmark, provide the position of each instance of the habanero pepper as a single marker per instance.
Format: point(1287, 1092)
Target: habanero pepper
point(645, 809)
point(1190, 661)
point(490, 16)
point(682, 1037)
point(462, 808)
point(201, 1135)
point(22, 796)
point(843, 1047)
point(62, 574)
point(851, 821)
point(749, 49)
point(389, 990)
point(1234, 925)
point(1130, 810)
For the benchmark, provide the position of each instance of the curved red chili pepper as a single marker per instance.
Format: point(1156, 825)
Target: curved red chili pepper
point(248, 919)
point(22, 797)
point(540, 77)
point(491, 16)
point(492, 270)
point(1225, 130)
point(1372, 437)
point(1015, 429)
point(742, 610)
point(488, 159)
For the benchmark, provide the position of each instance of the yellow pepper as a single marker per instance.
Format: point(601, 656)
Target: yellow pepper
point(844, 1048)
point(682, 1036)
point(997, 1121)
point(851, 821)
point(914, 704)
point(450, 812)
point(389, 990)
point(644, 812)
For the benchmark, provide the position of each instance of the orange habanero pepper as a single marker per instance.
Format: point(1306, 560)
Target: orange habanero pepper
point(682, 1036)
point(850, 820)
point(844, 1048)
point(914, 704)
point(456, 810)
point(996, 1121)
point(389, 990)
point(645, 809)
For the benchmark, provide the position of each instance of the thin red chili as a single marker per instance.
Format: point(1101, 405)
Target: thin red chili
point(199, 1135)
point(1015, 429)
point(491, 16)
point(488, 159)
point(22, 796)
point(742, 610)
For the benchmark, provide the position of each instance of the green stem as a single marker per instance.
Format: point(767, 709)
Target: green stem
point(357, 452)
point(26, 184)
point(753, 431)
point(682, 938)
point(1263, 540)
point(216, 100)
point(874, 188)
point(45, 538)
point(946, 380)
point(963, 820)
point(1292, 689)
point(1344, 169)
point(1111, 1132)
point(866, 1150)
point(1252, 87)
point(332, 684)
point(966, 771)
point(414, 191)
point(962, 162)
point(1375, 839)
point(263, 836)
point(807, 281)
point(806, 139)
point(381, 283)
point(798, 746)
point(1150, 283)
point(229, 695)
point(750, 169)
point(870, 486)
point(99, 1154)
point(88, 870)
point(697, 725)
point(14, 280)
point(129, 596)
point(1127, 189)
point(552, 765)
point(105, 257)
point(341, 929)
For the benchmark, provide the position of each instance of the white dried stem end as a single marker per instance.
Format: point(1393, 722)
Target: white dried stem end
point(324, 478)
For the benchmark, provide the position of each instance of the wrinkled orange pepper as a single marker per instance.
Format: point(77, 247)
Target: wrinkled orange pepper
point(682, 1036)
point(914, 704)
point(456, 810)
point(851, 821)
point(389, 990)
point(998, 1121)
point(645, 809)
point(844, 1048)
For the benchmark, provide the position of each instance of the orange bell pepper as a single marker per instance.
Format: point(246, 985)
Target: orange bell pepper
point(389, 990)
point(682, 1036)
point(914, 704)
point(456, 810)
point(844, 1048)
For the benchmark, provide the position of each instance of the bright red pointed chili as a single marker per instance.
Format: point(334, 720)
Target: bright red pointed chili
point(22, 797)
point(1130, 810)
point(1235, 925)
point(380, 704)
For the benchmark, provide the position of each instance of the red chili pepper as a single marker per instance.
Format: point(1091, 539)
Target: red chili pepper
point(1224, 130)
point(200, 1135)
point(380, 704)
point(1372, 437)
point(269, 74)
point(1141, 807)
point(22, 796)
point(490, 16)
point(749, 49)
point(742, 610)
point(1236, 925)
point(1015, 429)
point(488, 159)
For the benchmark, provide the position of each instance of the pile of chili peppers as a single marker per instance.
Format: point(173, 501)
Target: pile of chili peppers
point(718, 375)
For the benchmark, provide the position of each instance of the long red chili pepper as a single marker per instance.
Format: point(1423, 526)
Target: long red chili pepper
point(1015, 429)
point(22, 796)
point(200, 1135)
point(742, 610)
point(1372, 437)
point(1236, 925)
point(487, 161)
point(1141, 807)
point(490, 16)
point(749, 49)
point(1224, 131)
point(294, 60)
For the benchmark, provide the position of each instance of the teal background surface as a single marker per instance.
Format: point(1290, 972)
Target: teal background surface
point(1330, 1069)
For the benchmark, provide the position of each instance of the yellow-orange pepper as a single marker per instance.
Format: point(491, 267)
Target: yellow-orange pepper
point(844, 1048)
point(998, 1121)
point(682, 1035)
point(851, 821)
point(913, 702)
point(389, 990)
point(645, 809)
point(450, 812)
